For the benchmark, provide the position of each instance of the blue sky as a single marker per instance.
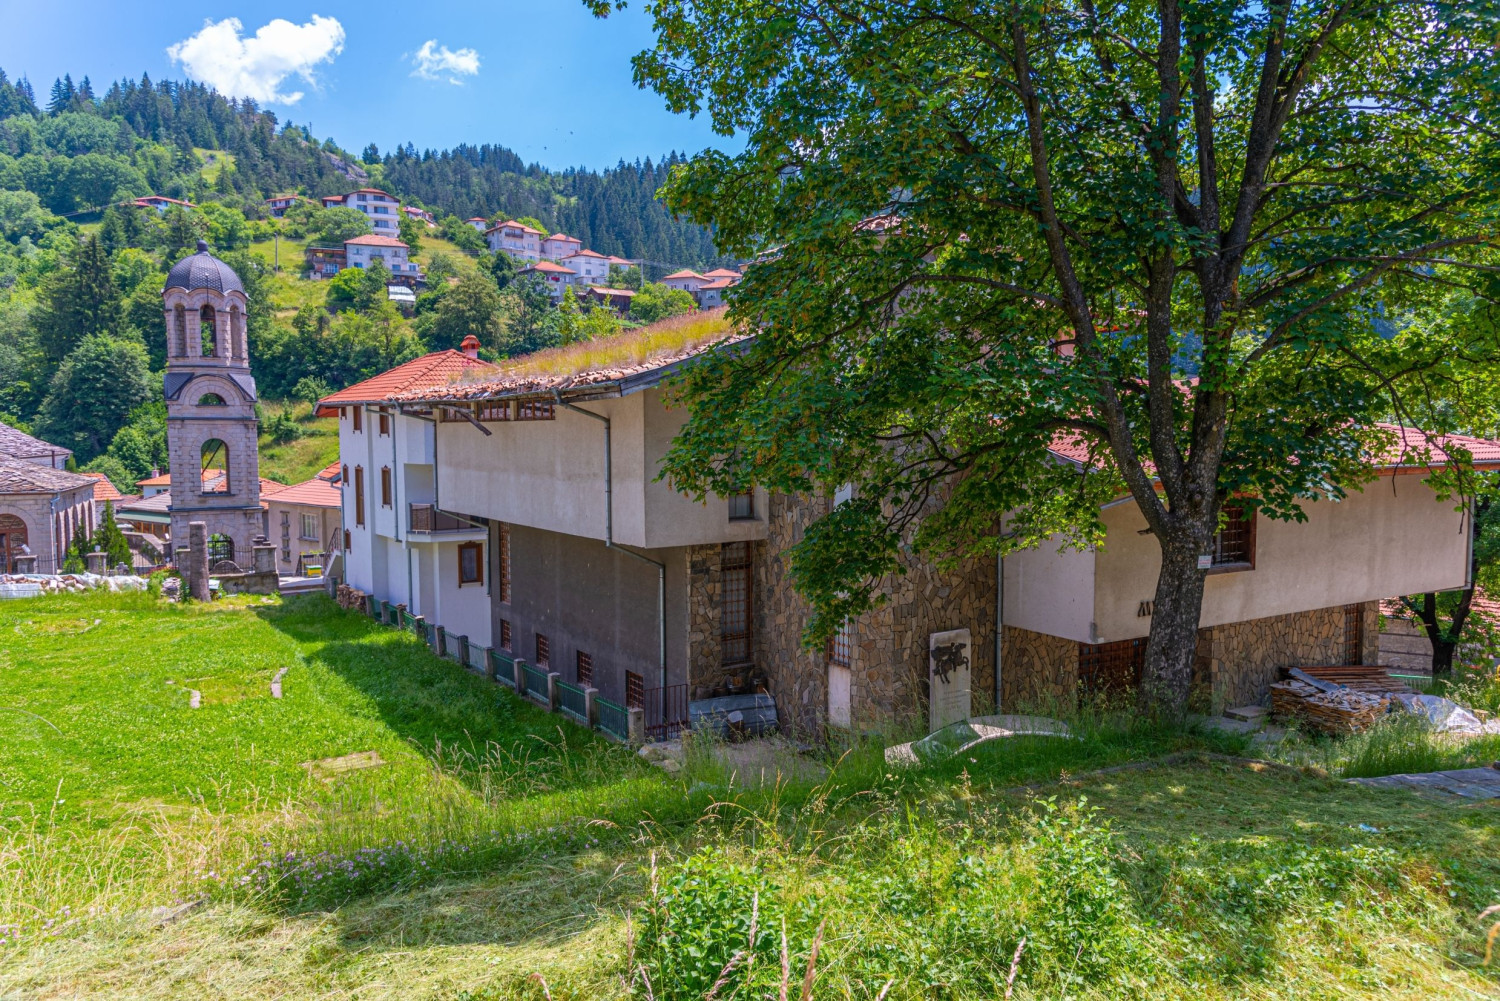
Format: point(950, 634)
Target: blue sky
point(542, 77)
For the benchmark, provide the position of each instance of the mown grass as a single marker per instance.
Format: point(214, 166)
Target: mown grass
point(499, 844)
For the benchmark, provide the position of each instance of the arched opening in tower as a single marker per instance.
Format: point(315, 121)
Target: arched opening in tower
point(215, 467)
point(208, 332)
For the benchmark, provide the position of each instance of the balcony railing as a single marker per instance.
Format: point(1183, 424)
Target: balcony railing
point(426, 518)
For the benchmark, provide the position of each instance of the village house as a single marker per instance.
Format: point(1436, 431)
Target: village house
point(588, 267)
point(400, 541)
point(363, 251)
point(559, 245)
point(378, 207)
point(555, 277)
point(616, 581)
point(419, 215)
point(304, 521)
point(617, 299)
point(161, 203)
point(516, 239)
point(687, 281)
point(479, 223)
point(278, 204)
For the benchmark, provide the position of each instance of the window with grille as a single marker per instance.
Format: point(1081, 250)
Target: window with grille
point(585, 669)
point(505, 563)
point(495, 411)
point(471, 563)
point(742, 506)
point(736, 612)
point(543, 651)
point(385, 486)
point(1354, 634)
point(359, 494)
point(359, 418)
point(635, 691)
point(1111, 667)
point(535, 410)
point(505, 635)
point(1234, 544)
point(385, 425)
point(841, 647)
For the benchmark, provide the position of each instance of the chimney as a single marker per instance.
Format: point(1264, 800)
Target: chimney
point(470, 347)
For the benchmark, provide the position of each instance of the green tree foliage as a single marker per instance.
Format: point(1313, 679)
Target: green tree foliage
point(412, 232)
point(226, 227)
point(21, 214)
point(109, 540)
point(282, 427)
point(338, 224)
point(1081, 207)
point(77, 302)
point(94, 390)
point(471, 307)
point(141, 444)
point(114, 470)
point(440, 267)
point(311, 389)
point(372, 290)
point(460, 233)
point(343, 288)
point(79, 544)
point(528, 320)
point(658, 302)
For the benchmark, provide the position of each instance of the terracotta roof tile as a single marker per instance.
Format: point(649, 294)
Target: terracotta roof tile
point(374, 240)
point(586, 253)
point(547, 267)
point(103, 489)
point(723, 273)
point(430, 368)
point(684, 273)
point(316, 492)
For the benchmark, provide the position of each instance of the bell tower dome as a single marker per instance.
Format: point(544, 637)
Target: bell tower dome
point(211, 422)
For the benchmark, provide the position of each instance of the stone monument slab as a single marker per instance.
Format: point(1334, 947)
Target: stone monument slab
point(948, 665)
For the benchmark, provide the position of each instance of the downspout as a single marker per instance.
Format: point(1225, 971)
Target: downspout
point(999, 621)
point(609, 537)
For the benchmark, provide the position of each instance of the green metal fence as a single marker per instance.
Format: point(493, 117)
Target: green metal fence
point(536, 682)
point(571, 700)
point(504, 667)
point(611, 718)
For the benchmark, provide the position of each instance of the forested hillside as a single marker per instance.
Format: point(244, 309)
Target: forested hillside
point(78, 150)
point(82, 337)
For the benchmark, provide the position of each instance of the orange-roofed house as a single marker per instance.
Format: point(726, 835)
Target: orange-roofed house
point(304, 521)
point(278, 204)
point(590, 268)
point(554, 277)
point(104, 490)
point(480, 223)
point(382, 209)
point(688, 281)
point(363, 251)
point(560, 245)
point(516, 239)
point(395, 539)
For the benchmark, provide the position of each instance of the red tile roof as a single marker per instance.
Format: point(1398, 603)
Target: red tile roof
point(320, 491)
point(723, 273)
point(370, 191)
point(1415, 448)
point(477, 218)
point(103, 489)
point(374, 240)
point(437, 367)
point(714, 285)
point(618, 260)
point(512, 224)
point(586, 253)
point(550, 268)
point(684, 273)
point(566, 237)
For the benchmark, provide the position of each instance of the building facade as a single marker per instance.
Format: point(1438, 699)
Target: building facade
point(210, 396)
point(41, 508)
point(303, 522)
point(383, 210)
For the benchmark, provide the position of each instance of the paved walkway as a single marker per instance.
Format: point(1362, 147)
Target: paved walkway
point(1471, 783)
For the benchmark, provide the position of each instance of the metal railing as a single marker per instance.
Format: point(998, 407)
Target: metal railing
point(427, 518)
point(612, 718)
point(572, 701)
point(503, 667)
point(666, 711)
point(536, 682)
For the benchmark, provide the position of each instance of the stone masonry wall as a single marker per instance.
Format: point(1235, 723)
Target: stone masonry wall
point(1238, 661)
point(1037, 671)
point(798, 678)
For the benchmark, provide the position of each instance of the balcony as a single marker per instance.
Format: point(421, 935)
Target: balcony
point(428, 519)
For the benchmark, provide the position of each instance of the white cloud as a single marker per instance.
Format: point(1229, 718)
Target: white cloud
point(256, 66)
point(438, 62)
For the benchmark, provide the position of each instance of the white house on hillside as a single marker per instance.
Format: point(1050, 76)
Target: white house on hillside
point(399, 543)
point(589, 267)
point(362, 251)
point(559, 246)
point(516, 239)
point(381, 209)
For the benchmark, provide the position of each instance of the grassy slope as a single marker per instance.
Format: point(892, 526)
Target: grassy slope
point(302, 458)
point(1233, 882)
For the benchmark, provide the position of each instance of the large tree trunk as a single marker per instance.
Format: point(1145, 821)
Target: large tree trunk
point(1444, 641)
point(1173, 641)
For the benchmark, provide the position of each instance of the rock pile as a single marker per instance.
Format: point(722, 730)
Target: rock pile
point(27, 585)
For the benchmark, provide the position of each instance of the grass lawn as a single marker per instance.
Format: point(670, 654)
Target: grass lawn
point(496, 844)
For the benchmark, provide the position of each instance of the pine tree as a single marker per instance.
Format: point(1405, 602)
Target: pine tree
point(77, 302)
point(111, 540)
point(73, 561)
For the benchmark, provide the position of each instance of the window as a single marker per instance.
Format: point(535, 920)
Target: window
point(359, 418)
point(505, 635)
point(208, 332)
point(347, 546)
point(543, 651)
point(635, 691)
point(1234, 544)
point(344, 475)
point(495, 411)
point(505, 563)
point(735, 613)
point(359, 494)
point(1111, 667)
point(385, 425)
point(536, 410)
point(1354, 634)
point(211, 400)
point(585, 669)
point(742, 506)
point(385, 486)
point(841, 647)
point(470, 563)
point(214, 476)
point(309, 526)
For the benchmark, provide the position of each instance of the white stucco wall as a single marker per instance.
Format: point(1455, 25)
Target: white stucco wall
point(1394, 537)
point(550, 475)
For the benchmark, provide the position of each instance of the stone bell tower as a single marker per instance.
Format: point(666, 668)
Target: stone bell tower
point(211, 423)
